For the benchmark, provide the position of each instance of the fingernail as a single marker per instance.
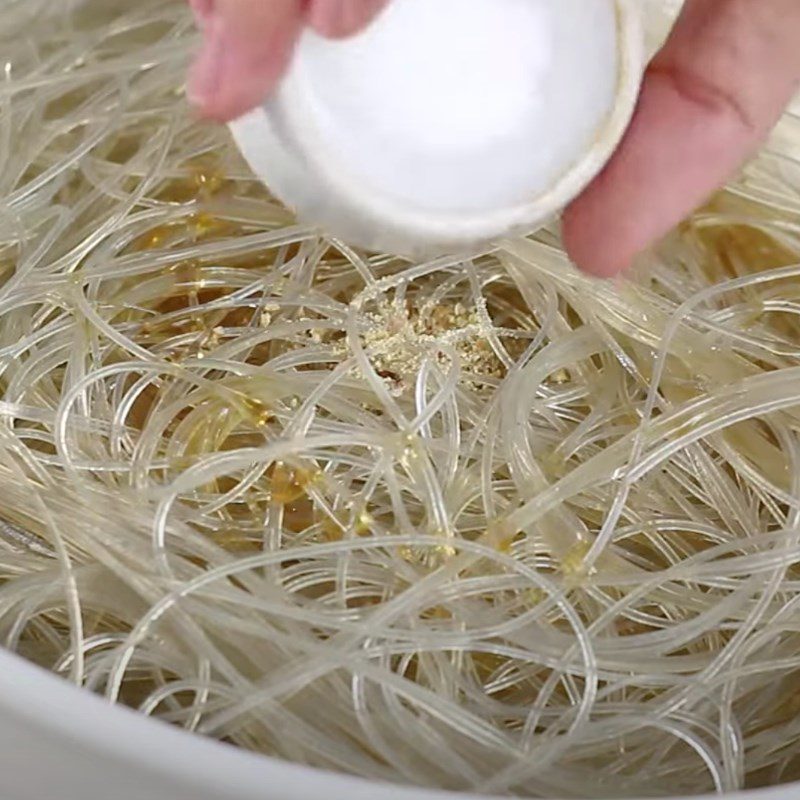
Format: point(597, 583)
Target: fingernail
point(205, 75)
point(351, 14)
point(325, 16)
point(337, 18)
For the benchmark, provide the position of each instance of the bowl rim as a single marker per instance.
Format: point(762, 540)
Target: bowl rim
point(57, 710)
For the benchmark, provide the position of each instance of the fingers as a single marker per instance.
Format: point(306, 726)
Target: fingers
point(338, 18)
point(247, 46)
point(710, 98)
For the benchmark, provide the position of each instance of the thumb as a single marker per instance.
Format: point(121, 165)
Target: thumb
point(710, 98)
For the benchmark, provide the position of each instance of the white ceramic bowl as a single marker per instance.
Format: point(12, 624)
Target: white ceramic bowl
point(302, 142)
point(58, 741)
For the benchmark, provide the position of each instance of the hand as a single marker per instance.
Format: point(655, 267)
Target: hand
point(710, 98)
point(248, 45)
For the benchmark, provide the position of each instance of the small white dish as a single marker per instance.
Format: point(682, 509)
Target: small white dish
point(449, 123)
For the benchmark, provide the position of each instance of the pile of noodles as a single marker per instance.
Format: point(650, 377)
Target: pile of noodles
point(476, 524)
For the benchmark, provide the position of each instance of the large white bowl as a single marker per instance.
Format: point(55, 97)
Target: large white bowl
point(58, 742)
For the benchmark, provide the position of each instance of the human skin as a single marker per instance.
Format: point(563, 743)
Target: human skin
point(709, 100)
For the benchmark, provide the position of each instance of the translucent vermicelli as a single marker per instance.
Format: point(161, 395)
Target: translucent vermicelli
point(475, 524)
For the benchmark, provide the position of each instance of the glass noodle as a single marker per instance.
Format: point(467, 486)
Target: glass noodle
point(476, 524)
